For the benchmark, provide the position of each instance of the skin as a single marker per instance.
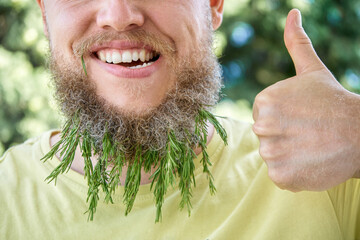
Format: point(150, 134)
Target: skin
point(69, 22)
point(308, 125)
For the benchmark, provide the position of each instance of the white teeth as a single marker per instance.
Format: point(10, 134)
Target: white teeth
point(135, 56)
point(141, 66)
point(142, 55)
point(127, 57)
point(108, 57)
point(102, 56)
point(116, 57)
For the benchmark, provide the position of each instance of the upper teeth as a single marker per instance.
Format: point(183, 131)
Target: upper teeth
point(127, 56)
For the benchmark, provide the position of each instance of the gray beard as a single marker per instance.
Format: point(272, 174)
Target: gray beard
point(197, 87)
point(163, 137)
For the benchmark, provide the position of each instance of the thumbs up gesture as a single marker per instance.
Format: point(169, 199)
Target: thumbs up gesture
point(308, 125)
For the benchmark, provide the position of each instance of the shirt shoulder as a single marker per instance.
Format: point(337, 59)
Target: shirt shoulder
point(240, 136)
point(26, 150)
point(239, 161)
point(23, 161)
point(345, 199)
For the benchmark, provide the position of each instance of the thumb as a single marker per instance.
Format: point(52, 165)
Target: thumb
point(299, 45)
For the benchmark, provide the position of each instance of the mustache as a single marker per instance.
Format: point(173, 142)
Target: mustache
point(141, 36)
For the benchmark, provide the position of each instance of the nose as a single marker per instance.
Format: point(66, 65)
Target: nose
point(120, 15)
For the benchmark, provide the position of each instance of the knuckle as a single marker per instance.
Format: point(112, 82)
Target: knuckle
point(266, 103)
point(270, 126)
point(297, 37)
point(261, 99)
point(282, 178)
point(257, 128)
point(267, 152)
point(272, 150)
point(302, 40)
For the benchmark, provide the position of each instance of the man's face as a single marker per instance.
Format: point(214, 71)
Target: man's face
point(151, 79)
point(130, 47)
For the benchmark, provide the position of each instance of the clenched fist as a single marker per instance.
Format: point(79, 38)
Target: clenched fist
point(308, 125)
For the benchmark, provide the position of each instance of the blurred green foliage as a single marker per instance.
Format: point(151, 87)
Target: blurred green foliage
point(253, 50)
point(24, 93)
point(249, 43)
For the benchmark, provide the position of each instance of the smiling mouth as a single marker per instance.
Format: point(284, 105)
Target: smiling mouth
point(130, 58)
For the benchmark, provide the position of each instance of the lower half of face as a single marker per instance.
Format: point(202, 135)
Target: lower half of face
point(134, 70)
point(138, 79)
point(107, 104)
point(135, 79)
point(137, 95)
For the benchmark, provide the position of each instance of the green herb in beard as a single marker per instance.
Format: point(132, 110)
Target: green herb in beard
point(83, 65)
point(175, 160)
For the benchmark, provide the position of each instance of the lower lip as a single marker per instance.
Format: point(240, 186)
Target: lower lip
point(124, 72)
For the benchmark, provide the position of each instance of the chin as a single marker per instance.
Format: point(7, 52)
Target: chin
point(133, 107)
point(136, 97)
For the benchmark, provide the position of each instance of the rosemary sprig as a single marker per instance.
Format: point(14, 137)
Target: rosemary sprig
point(177, 159)
point(133, 179)
point(187, 178)
point(115, 173)
point(163, 177)
point(93, 191)
point(70, 138)
point(201, 131)
point(206, 115)
point(86, 152)
point(83, 65)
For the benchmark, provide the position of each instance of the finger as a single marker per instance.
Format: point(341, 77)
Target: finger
point(265, 115)
point(268, 127)
point(299, 45)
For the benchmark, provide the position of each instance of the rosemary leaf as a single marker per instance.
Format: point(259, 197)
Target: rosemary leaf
point(177, 159)
point(133, 179)
point(83, 65)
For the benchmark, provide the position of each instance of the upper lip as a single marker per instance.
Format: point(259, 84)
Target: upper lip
point(121, 45)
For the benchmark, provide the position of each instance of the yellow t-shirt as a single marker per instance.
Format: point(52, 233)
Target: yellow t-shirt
point(247, 204)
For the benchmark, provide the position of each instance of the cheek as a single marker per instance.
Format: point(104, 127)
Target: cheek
point(65, 27)
point(182, 24)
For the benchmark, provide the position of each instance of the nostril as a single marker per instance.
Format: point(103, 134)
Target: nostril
point(133, 25)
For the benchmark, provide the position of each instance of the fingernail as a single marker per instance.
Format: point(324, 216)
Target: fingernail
point(298, 18)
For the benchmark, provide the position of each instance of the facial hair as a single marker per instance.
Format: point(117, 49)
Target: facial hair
point(163, 137)
point(197, 86)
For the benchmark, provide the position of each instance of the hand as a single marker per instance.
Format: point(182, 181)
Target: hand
point(308, 125)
